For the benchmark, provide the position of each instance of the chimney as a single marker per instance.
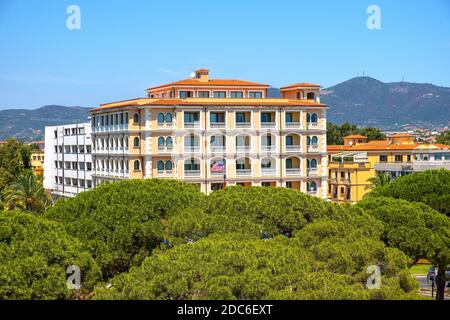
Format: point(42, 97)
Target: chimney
point(202, 75)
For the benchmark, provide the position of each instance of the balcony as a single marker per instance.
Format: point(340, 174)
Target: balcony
point(312, 125)
point(268, 125)
point(218, 149)
point(292, 125)
point(293, 148)
point(268, 148)
point(192, 173)
point(265, 172)
point(293, 171)
point(192, 125)
point(243, 125)
point(242, 149)
point(243, 172)
point(217, 125)
point(311, 171)
point(191, 149)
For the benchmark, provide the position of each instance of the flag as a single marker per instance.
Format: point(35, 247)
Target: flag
point(217, 167)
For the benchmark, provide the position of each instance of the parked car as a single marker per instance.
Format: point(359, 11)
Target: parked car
point(432, 272)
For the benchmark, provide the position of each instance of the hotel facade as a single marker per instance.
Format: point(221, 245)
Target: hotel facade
point(214, 133)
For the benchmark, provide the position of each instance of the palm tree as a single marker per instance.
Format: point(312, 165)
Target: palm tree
point(380, 179)
point(26, 192)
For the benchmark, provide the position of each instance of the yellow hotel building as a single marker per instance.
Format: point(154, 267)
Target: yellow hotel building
point(352, 165)
point(213, 133)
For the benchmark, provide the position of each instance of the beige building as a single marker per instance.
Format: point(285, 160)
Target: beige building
point(213, 133)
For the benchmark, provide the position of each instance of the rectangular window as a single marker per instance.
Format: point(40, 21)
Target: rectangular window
point(383, 158)
point(289, 184)
point(266, 117)
point(288, 117)
point(408, 158)
point(289, 140)
point(398, 158)
point(240, 117)
point(88, 149)
point(81, 165)
point(56, 133)
point(203, 94)
point(217, 117)
point(236, 94)
point(438, 156)
point(425, 157)
point(88, 166)
point(190, 117)
point(255, 94)
point(447, 156)
point(185, 94)
point(89, 183)
point(219, 94)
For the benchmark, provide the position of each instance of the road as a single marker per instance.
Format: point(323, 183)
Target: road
point(425, 286)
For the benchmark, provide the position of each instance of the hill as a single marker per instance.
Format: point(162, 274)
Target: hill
point(369, 102)
point(29, 125)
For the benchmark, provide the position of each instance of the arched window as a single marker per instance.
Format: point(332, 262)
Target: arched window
point(168, 117)
point(266, 163)
point(308, 117)
point(310, 96)
point(161, 141)
point(160, 117)
point(168, 165)
point(136, 141)
point(314, 117)
point(160, 165)
point(308, 140)
point(314, 140)
point(136, 165)
point(169, 141)
point(313, 163)
point(312, 186)
point(136, 118)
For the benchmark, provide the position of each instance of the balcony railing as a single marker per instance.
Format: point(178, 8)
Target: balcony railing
point(312, 171)
point(312, 125)
point(217, 125)
point(243, 172)
point(293, 148)
point(293, 171)
point(190, 125)
point(192, 149)
point(268, 171)
point(218, 148)
point(242, 149)
point(291, 125)
point(217, 174)
point(268, 124)
point(241, 125)
point(192, 173)
point(266, 148)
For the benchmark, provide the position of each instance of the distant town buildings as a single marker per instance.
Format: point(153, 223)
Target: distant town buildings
point(352, 165)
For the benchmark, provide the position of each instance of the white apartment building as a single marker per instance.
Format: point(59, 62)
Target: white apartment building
point(68, 159)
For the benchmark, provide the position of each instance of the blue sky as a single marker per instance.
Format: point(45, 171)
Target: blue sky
point(123, 47)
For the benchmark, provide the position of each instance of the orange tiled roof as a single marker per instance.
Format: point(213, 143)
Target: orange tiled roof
point(210, 82)
point(355, 136)
point(202, 70)
point(400, 135)
point(301, 84)
point(377, 145)
point(210, 102)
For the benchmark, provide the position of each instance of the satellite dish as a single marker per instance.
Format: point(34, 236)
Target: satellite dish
point(192, 75)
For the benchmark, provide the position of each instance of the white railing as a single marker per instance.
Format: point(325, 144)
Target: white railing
point(243, 172)
point(192, 173)
point(267, 124)
point(190, 125)
point(241, 125)
point(218, 148)
point(268, 172)
point(292, 148)
point(244, 149)
point(218, 174)
point(291, 125)
point(265, 148)
point(313, 148)
point(191, 149)
point(312, 171)
point(217, 125)
point(293, 171)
